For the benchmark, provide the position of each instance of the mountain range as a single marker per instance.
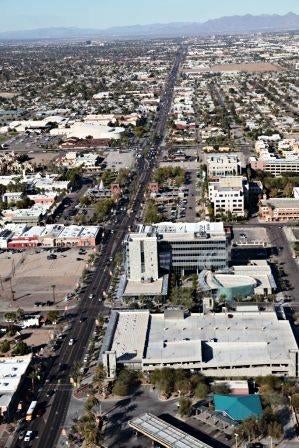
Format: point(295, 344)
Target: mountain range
point(223, 25)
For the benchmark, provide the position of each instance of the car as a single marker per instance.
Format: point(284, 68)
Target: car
point(71, 341)
point(28, 436)
point(21, 434)
point(91, 296)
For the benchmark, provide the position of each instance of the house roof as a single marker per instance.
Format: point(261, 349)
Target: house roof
point(238, 407)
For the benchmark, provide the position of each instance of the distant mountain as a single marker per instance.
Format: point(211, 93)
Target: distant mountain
point(223, 25)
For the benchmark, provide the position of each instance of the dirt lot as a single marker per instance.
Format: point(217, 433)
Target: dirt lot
point(257, 67)
point(32, 276)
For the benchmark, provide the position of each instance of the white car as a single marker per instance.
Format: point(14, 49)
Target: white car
point(71, 341)
point(28, 436)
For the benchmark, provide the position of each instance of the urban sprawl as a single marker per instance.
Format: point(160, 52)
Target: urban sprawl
point(149, 242)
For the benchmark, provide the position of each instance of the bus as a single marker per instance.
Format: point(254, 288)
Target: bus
point(30, 412)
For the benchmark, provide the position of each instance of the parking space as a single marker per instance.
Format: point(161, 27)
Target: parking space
point(250, 236)
point(32, 142)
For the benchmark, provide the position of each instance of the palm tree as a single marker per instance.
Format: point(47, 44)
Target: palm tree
point(76, 374)
point(33, 375)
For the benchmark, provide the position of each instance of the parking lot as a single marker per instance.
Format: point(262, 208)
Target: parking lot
point(182, 208)
point(30, 276)
point(250, 236)
point(32, 142)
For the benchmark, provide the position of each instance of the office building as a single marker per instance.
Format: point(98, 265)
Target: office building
point(222, 165)
point(279, 210)
point(227, 195)
point(179, 247)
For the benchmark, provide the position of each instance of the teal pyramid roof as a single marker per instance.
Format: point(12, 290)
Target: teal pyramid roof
point(238, 407)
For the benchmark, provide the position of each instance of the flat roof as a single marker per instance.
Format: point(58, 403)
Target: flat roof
point(164, 433)
point(181, 230)
point(213, 339)
point(11, 371)
point(130, 334)
point(147, 289)
point(79, 231)
point(281, 202)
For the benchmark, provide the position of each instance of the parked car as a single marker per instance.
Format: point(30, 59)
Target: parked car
point(28, 436)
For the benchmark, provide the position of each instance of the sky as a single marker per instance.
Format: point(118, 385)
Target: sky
point(30, 14)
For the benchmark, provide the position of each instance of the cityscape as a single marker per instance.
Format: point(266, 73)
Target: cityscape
point(149, 226)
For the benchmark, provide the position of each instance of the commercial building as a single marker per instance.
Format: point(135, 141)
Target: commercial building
point(249, 343)
point(180, 247)
point(50, 235)
point(227, 195)
point(255, 278)
point(29, 216)
point(86, 130)
point(275, 166)
point(279, 210)
point(222, 165)
point(238, 408)
point(12, 372)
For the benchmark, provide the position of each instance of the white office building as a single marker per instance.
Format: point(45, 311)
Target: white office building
point(228, 194)
point(180, 247)
point(222, 165)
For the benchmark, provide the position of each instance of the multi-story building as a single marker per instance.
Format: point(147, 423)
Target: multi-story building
point(243, 343)
point(227, 195)
point(222, 165)
point(275, 166)
point(180, 247)
point(279, 209)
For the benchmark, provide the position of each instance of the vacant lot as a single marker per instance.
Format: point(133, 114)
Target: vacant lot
point(257, 67)
point(30, 276)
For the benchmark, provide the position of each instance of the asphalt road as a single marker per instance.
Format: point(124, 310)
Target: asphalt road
point(47, 430)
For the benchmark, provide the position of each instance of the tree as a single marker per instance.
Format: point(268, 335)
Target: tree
point(248, 429)
point(185, 407)
point(91, 402)
point(152, 215)
point(164, 380)
point(122, 177)
point(85, 200)
point(222, 389)
point(33, 375)
point(182, 296)
point(183, 386)
point(4, 346)
point(10, 317)
point(76, 372)
point(295, 401)
point(21, 348)
point(126, 382)
point(275, 430)
point(103, 208)
point(201, 391)
point(99, 379)
point(53, 316)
